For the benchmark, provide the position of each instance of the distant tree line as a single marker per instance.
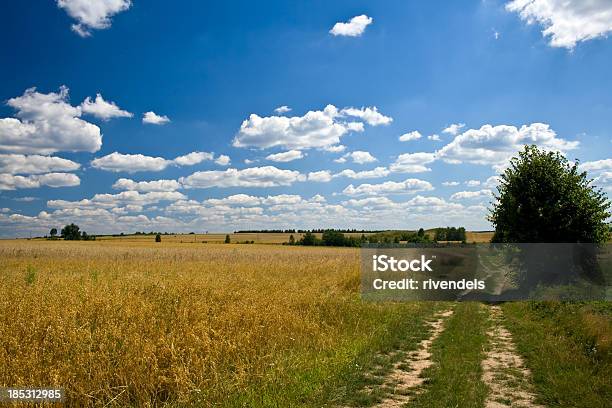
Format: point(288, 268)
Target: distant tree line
point(303, 231)
point(450, 234)
point(332, 237)
point(71, 232)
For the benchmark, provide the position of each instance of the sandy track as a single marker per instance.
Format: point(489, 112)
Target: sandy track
point(504, 370)
point(406, 377)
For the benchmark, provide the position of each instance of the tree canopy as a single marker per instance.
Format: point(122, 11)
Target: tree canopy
point(542, 197)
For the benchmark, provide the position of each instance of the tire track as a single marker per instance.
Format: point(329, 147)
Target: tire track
point(405, 379)
point(504, 370)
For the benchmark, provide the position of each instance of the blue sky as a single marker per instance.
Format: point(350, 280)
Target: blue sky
point(218, 70)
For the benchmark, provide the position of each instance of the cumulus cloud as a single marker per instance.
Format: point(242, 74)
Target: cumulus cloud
point(495, 145)
point(316, 129)
point(355, 27)
point(282, 109)
point(370, 115)
point(358, 156)
point(471, 195)
point(124, 198)
point(102, 109)
point(193, 158)
point(412, 162)
point(408, 186)
point(414, 135)
point(132, 163)
point(334, 149)
point(566, 22)
point(454, 128)
point(435, 138)
point(286, 156)
point(12, 182)
point(472, 183)
point(597, 165)
point(92, 14)
point(45, 124)
point(146, 186)
point(153, 118)
point(322, 176)
point(266, 176)
point(378, 172)
point(35, 164)
point(450, 183)
point(223, 160)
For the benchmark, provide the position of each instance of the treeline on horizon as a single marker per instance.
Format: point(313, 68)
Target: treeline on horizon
point(337, 238)
point(303, 231)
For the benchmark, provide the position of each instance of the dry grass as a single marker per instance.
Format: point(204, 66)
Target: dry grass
point(150, 324)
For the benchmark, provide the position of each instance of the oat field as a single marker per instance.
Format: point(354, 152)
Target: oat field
point(124, 323)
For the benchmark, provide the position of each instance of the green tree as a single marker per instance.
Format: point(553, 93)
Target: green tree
point(309, 239)
point(542, 197)
point(421, 232)
point(71, 232)
point(333, 238)
point(53, 232)
point(158, 237)
point(227, 239)
point(291, 240)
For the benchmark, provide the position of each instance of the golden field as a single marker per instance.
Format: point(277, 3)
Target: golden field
point(128, 323)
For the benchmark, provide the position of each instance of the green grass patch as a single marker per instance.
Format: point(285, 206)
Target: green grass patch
point(455, 379)
point(566, 346)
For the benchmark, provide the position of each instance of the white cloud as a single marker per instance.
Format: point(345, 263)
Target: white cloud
point(471, 195)
point(358, 156)
point(597, 165)
point(414, 135)
point(334, 149)
point(92, 14)
point(454, 128)
point(322, 176)
point(566, 22)
point(353, 28)
point(378, 172)
point(472, 183)
point(223, 160)
point(495, 145)
point(316, 129)
point(45, 124)
point(114, 200)
point(193, 158)
point(35, 164)
point(267, 176)
point(435, 138)
point(369, 114)
point(285, 156)
point(146, 186)
point(12, 182)
point(132, 163)
point(282, 109)
point(408, 186)
point(153, 118)
point(103, 109)
point(450, 183)
point(412, 162)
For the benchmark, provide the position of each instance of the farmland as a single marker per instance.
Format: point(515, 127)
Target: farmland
point(124, 322)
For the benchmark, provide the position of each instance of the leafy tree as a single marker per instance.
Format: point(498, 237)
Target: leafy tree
point(542, 197)
point(291, 240)
point(158, 237)
point(421, 232)
point(309, 239)
point(53, 232)
point(227, 239)
point(71, 232)
point(333, 238)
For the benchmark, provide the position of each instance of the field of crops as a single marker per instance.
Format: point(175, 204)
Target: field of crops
point(145, 323)
point(123, 323)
